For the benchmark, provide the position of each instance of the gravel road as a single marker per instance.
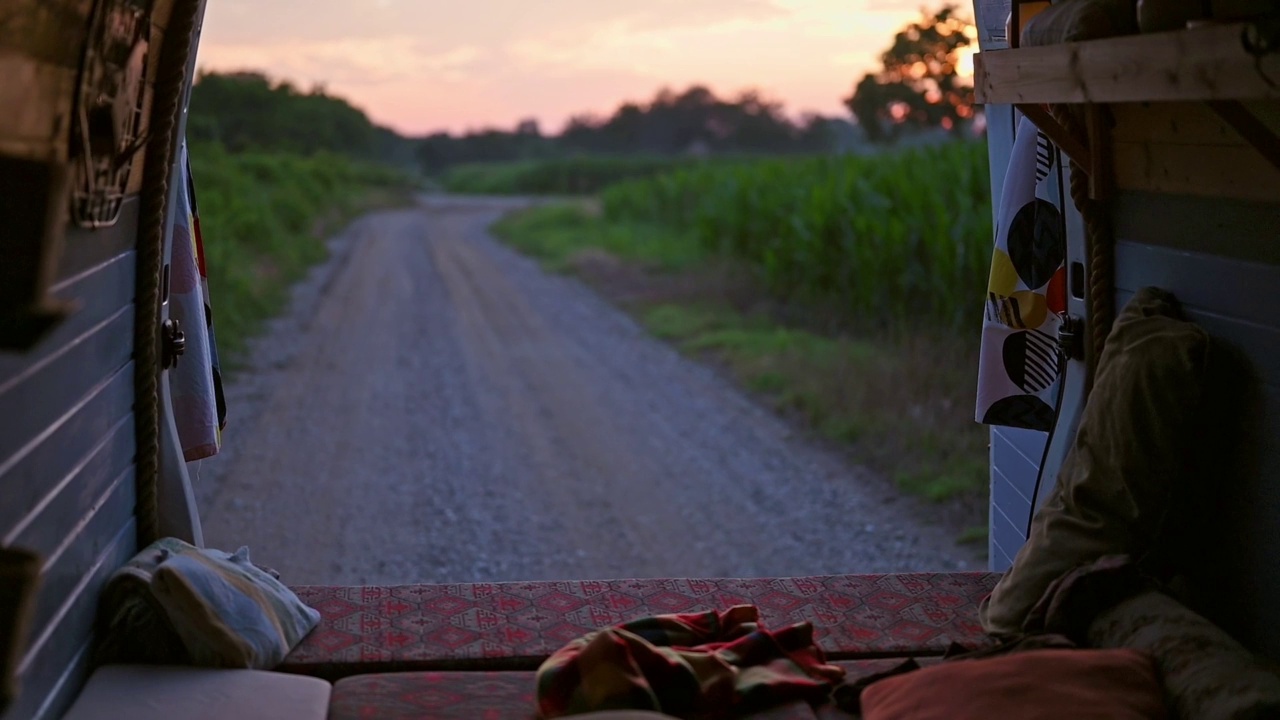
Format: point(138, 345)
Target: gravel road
point(436, 408)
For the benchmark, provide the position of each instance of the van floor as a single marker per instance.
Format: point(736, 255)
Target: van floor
point(436, 408)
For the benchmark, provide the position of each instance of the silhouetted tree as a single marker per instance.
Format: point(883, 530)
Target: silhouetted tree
point(246, 111)
point(918, 86)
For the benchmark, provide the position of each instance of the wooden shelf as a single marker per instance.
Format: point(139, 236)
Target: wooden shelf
point(1207, 63)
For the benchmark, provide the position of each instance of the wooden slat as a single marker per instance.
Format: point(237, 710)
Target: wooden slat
point(1250, 127)
point(1246, 291)
point(1188, 123)
point(62, 695)
point(38, 401)
point(1009, 498)
point(73, 490)
point(1261, 344)
point(84, 249)
point(1222, 171)
point(106, 292)
point(29, 480)
point(1217, 123)
point(1257, 342)
point(1027, 443)
point(1006, 536)
point(1229, 229)
point(44, 665)
point(1202, 64)
point(75, 560)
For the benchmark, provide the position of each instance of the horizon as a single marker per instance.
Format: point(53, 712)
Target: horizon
point(492, 63)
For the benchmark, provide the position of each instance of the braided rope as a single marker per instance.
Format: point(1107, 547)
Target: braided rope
point(175, 53)
point(1099, 247)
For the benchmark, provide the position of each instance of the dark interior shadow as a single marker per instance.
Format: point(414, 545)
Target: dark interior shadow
point(1223, 519)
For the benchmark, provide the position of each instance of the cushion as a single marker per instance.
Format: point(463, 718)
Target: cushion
point(434, 695)
point(1206, 675)
point(174, 603)
point(516, 625)
point(1131, 450)
point(228, 612)
point(142, 692)
point(1031, 685)
point(509, 695)
point(624, 715)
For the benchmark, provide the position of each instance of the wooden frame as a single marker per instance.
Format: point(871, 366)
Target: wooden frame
point(1224, 140)
point(1208, 63)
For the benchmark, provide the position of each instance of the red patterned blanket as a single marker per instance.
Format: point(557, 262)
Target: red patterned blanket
point(515, 626)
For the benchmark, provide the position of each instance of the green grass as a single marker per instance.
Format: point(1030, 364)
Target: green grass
point(853, 391)
point(974, 535)
point(557, 234)
point(264, 218)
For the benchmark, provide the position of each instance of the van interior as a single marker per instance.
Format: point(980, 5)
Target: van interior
point(1134, 552)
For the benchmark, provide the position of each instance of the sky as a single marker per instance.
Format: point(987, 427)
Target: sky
point(423, 66)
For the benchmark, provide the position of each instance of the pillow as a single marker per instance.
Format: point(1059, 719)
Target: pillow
point(228, 612)
point(176, 604)
point(132, 627)
point(1113, 493)
point(1206, 675)
point(1041, 684)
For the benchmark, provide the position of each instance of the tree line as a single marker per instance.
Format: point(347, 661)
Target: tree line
point(917, 89)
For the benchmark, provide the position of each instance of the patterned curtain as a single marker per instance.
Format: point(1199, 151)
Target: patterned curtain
point(1019, 368)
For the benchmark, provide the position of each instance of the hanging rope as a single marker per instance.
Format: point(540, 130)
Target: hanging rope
point(175, 52)
point(1099, 247)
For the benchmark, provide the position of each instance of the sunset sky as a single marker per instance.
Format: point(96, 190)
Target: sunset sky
point(426, 65)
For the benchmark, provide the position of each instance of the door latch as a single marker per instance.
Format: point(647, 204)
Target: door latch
point(1071, 338)
point(172, 343)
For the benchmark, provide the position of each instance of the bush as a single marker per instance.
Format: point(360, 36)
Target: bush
point(261, 215)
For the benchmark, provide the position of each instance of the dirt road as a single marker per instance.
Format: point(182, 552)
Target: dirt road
point(436, 408)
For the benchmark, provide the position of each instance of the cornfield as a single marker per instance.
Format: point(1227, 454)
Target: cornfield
point(582, 175)
point(893, 238)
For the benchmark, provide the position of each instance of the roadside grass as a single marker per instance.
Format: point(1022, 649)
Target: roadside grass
point(974, 535)
point(900, 400)
point(265, 218)
point(556, 234)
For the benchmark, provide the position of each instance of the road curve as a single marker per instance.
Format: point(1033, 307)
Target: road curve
point(435, 408)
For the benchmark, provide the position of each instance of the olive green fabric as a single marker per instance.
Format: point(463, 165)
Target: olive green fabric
point(1206, 675)
point(19, 579)
point(1130, 452)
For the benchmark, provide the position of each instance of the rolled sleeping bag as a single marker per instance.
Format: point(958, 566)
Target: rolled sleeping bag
point(1206, 674)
